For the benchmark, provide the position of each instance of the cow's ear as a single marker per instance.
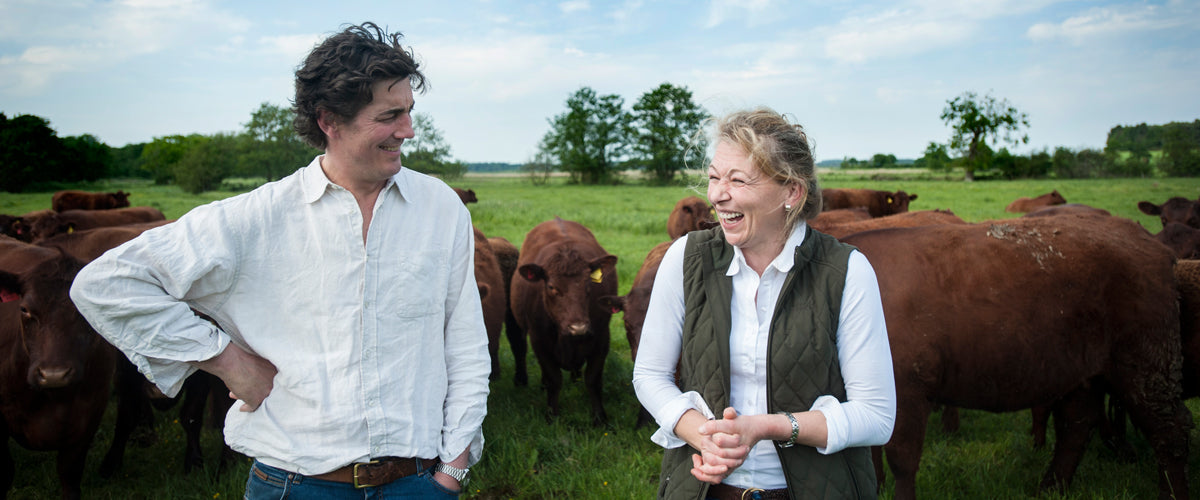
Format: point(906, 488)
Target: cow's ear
point(483, 290)
point(1149, 208)
point(912, 197)
point(10, 287)
point(614, 303)
point(600, 262)
point(532, 272)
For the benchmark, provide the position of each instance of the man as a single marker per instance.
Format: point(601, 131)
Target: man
point(347, 319)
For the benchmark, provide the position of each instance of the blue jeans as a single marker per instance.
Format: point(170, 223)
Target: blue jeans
point(270, 483)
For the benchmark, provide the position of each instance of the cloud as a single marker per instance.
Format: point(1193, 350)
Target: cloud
point(892, 34)
point(755, 11)
point(573, 6)
point(1107, 22)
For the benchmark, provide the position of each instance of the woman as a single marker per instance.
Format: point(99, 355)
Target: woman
point(775, 326)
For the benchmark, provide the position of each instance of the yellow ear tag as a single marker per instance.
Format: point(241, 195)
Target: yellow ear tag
point(597, 275)
point(70, 229)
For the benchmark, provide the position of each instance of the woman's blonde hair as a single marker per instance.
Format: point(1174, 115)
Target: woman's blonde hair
point(780, 149)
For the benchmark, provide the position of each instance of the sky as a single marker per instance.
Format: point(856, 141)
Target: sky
point(862, 77)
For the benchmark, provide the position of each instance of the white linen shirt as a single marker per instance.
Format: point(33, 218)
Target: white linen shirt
point(865, 419)
point(381, 347)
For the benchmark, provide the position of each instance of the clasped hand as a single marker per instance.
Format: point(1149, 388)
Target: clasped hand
point(724, 446)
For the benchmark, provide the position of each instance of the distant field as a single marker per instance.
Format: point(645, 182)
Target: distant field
point(528, 457)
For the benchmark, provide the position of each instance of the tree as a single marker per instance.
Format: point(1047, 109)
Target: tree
point(85, 158)
point(935, 158)
point(29, 152)
point(979, 120)
point(160, 155)
point(662, 122)
point(427, 151)
point(273, 147)
point(590, 137)
point(1180, 154)
point(206, 162)
point(881, 160)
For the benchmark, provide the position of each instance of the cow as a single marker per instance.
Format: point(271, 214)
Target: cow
point(84, 200)
point(1027, 204)
point(492, 295)
point(563, 271)
point(1176, 209)
point(878, 203)
point(1013, 314)
point(56, 376)
point(507, 255)
point(21, 226)
point(466, 195)
point(1065, 209)
point(76, 220)
point(1182, 239)
point(689, 214)
point(829, 218)
point(906, 219)
point(634, 304)
point(88, 244)
point(1187, 274)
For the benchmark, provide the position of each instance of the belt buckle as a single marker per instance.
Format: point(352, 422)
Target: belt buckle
point(356, 484)
point(755, 493)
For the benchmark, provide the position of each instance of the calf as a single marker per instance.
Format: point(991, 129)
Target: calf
point(634, 304)
point(1182, 239)
point(1010, 315)
point(507, 255)
point(1027, 204)
point(1177, 209)
point(878, 203)
point(84, 200)
point(563, 273)
point(689, 214)
point(77, 220)
point(466, 195)
point(492, 296)
point(56, 374)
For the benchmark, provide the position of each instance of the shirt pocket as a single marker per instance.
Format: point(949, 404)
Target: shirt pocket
point(417, 286)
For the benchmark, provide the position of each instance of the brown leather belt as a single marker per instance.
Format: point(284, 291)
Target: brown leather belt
point(377, 472)
point(724, 491)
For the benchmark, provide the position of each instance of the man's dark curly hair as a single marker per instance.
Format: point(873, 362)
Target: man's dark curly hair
point(338, 74)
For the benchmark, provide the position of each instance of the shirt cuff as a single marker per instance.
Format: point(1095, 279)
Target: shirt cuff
point(672, 412)
point(835, 424)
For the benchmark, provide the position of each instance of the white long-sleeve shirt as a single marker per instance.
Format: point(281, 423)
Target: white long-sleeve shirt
point(865, 419)
point(381, 347)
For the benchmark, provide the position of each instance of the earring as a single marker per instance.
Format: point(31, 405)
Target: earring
point(787, 207)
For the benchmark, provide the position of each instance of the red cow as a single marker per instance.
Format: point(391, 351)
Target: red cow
point(492, 296)
point(878, 203)
point(1177, 209)
point(1187, 273)
point(1182, 239)
point(829, 218)
point(563, 273)
point(77, 220)
point(88, 244)
point(1067, 209)
point(689, 214)
point(507, 255)
point(466, 195)
point(21, 226)
point(634, 304)
point(56, 376)
point(1026, 204)
point(906, 219)
point(966, 331)
point(84, 200)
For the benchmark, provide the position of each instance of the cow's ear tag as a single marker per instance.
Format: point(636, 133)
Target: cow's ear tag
point(597, 275)
point(70, 229)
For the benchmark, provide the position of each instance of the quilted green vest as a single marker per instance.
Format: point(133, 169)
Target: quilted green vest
point(802, 360)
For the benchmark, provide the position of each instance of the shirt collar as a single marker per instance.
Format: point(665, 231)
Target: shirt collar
point(782, 262)
point(314, 183)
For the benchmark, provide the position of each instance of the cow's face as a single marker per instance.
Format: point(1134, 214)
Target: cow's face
point(53, 334)
point(48, 226)
point(636, 304)
point(699, 215)
point(570, 288)
point(898, 201)
point(1177, 209)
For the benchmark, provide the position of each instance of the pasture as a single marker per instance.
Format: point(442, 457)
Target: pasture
point(527, 456)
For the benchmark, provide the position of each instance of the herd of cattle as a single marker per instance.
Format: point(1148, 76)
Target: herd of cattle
point(1053, 311)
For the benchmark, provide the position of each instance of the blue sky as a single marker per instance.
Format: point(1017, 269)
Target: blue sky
point(863, 77)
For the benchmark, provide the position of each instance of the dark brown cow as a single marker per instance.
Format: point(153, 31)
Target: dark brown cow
point(492, 296)
point(878, 203)
point(1027, 204)
point(88, 244)
point(966, 331)
point(84, 200)
point(1182, 239)
point(78, 220)
point(690, 214)
point(1067, 209)
point(21, 226)
point(1177, 209)
point(634, 304)
point(507, 255)
point(466, 195)
point(906, 219)
point(56, 376)
point(563, 273)
point(1187, 274)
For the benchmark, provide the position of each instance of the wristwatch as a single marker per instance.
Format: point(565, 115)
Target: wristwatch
point(460, 475)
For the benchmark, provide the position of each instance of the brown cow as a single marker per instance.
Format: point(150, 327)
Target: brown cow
point(492, 296)
point(634, 304)
point(878, 203)
point(965, 330)
point(1177, 209)
point(466, 195)
point(56, 376)
point(563, 273)
point(77, 220)
point(21, 226)
point(1027, 204)
point(1182, 239)
point(906, 219)
point(88, 244)
point(689, 214)
point(829, 218)
point(1067, 209)
point(507, 255)
point(84, 200)
point(1187, 274)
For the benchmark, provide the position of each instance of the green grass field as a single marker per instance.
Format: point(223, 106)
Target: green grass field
point(528, 456)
